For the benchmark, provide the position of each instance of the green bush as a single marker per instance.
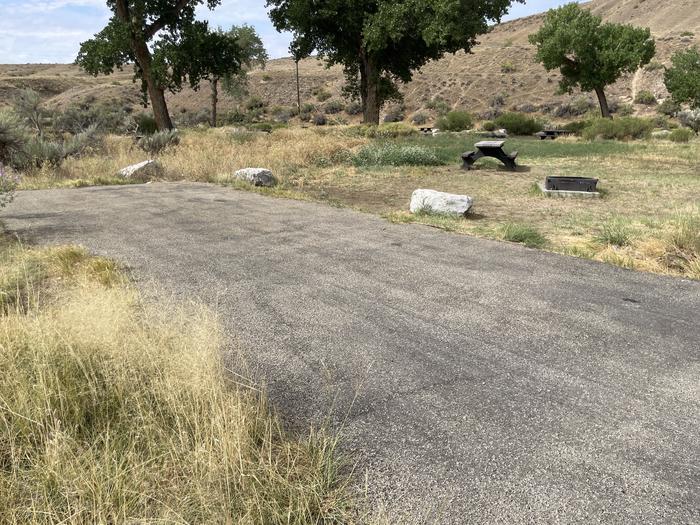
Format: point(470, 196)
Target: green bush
point(159, 141)
point(78, 118)
point(682, 135)
point(333, 107)
point(13, 136)
point(319, 119)
point(322, 94)
point(645, 97)
point(396, 155)
point(625, 110)
point(668, 107)
point(455, 121)
point(625, 128)
point(577, 126)
point(690, 118)
point(488, 125)
point(518, 124)
point(145, 124)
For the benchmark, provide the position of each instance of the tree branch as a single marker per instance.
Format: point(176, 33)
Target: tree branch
point(122, 10)
point(159, 24)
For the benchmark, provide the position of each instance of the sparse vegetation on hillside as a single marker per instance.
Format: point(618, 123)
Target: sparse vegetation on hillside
point(116, 410)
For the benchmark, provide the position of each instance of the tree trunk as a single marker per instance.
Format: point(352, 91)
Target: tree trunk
point(155, 92)
point(369, 87)
point(214, 100)
point(602, 99)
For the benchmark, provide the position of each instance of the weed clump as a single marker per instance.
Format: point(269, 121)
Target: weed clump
point(455, 121)
point(625, 128)
point(523, 234)
point(518, 124)
point(396, 155)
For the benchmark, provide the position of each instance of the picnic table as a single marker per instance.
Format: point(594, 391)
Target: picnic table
point(490, 148)
point(552, 134)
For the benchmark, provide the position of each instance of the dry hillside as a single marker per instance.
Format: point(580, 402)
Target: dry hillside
point(465, 81)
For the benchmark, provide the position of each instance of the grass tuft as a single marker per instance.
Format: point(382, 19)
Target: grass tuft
point(388, 154)
point(523, 234)
point(114, 411)
point(616, 232)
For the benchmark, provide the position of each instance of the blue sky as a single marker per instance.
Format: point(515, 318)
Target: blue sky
point(50, 31)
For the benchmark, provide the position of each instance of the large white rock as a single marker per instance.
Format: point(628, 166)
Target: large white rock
point(256, 176)
point(142, 170)
point(431, 201)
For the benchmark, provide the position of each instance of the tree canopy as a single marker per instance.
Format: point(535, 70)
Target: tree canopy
point(590, 54)
point(382, 42)
point(129, 38)
point(682, 79)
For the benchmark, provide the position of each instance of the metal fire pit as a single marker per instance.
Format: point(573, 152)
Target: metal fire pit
point(582, 184)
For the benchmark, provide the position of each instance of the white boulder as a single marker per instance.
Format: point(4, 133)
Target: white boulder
point(256, 176)
point(142, 170)
point(431, 201)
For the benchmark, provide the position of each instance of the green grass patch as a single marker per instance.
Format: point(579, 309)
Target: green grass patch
point(391, 154)
point(616, 232)
point(522, 234)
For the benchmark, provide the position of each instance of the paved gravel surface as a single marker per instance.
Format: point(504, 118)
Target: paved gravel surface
point(478, 382)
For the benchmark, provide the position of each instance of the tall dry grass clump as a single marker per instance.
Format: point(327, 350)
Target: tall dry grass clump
point(113, 411)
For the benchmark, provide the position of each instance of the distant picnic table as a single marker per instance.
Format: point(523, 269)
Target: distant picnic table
point(490, 148)
point(552, 134)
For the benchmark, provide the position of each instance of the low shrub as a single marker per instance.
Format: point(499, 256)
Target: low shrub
point(508, 67)
point(577, 126)
point(396, 155)
point(523, 234)
point(322, 94)
point(319, 119)
point(13, 136)
point(682, 135)
point(518, 124)
point(455, 121)
point(625, 110)
point(78, 118)
point(616, 232)
point(145, 124)
point(394, 114)
point(625, 128)
point(254, 103)
point(488, 125)
point(159, 141)
point(353, 108)
point(438, 105)
point(645, 97)
point(577, 107)
point(283, 114)
point(333, 107)
point(668, 107)
point(690, 118)
point(419, 119)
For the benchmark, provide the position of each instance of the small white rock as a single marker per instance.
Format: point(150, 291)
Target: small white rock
point(431, 201)
point(256, 176)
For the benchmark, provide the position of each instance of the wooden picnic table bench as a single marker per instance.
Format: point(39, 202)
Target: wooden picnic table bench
point(490, 148)
point(552, 134)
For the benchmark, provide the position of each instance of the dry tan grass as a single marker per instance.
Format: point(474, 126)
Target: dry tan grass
point(113, 411)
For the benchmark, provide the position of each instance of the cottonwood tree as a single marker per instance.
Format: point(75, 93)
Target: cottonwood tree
point(136, 28)
point(682, 79)
point(590, 54)
point(252, 54)
point(198, 54)
point(382, 42)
